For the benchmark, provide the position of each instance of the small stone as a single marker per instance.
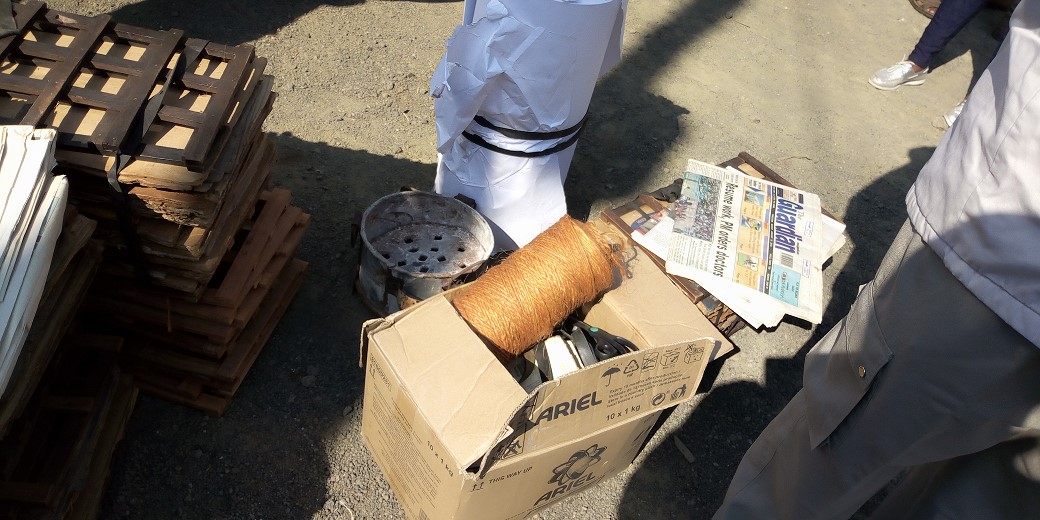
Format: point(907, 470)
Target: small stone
point(348, 410)
point(308, 381)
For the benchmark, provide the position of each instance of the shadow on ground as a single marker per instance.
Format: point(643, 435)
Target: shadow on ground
point(230, 21)
point(631, 128)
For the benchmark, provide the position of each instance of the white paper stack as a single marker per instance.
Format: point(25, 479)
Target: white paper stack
point(32, 203)
point(528, 66)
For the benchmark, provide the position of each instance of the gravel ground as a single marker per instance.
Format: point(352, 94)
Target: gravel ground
point(704, 79)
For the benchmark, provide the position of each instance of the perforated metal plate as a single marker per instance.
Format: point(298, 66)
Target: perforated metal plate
point(416, 244)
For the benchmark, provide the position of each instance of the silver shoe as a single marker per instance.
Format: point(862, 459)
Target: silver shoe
point(953, 114)
point(902, 73)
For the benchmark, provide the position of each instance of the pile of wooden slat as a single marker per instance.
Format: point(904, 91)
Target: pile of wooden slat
point(160, 136)
point(72, 270)
point(198, 353)
point(67, 403)
point(55, 459)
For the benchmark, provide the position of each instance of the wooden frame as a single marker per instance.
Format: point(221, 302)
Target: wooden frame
point(39, 49)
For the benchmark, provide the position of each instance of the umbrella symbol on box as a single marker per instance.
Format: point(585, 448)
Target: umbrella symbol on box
point(610, 372)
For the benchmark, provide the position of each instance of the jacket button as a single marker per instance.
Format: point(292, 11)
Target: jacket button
point(862, 371)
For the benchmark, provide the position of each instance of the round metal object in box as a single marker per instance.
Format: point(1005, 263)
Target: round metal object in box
point(415, 245)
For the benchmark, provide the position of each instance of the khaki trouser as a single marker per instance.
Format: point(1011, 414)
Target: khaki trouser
point(919, 376)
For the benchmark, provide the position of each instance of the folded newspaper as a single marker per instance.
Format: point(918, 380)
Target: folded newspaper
point(757, 246)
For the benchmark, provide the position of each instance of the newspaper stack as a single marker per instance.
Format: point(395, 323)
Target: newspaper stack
point(32, 203)
point(757, 246)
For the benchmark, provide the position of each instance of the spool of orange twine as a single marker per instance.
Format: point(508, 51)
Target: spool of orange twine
point(517, 303)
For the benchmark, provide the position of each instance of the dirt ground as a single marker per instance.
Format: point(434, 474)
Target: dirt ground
point(705, 79)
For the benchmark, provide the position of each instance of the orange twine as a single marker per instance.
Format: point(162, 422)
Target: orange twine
point(517, 303)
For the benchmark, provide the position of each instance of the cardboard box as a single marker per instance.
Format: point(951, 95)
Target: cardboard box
point(457, 437)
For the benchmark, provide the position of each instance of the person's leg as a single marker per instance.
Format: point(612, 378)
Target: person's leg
point(859, 421)
point(781, 477)
point(949, 19)
point(1001, 482)
point(951, 116)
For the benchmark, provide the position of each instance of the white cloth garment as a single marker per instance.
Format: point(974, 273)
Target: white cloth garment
point(977, 201)
point(525, 65)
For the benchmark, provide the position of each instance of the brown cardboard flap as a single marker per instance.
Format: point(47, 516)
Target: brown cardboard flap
point(461, 390)
point(368, 328)
point(653, 310)
point(374, 325)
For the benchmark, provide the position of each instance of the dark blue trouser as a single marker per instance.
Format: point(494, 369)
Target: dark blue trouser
point(949, 19)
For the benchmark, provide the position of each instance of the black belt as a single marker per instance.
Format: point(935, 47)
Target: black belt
point(573, 132)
